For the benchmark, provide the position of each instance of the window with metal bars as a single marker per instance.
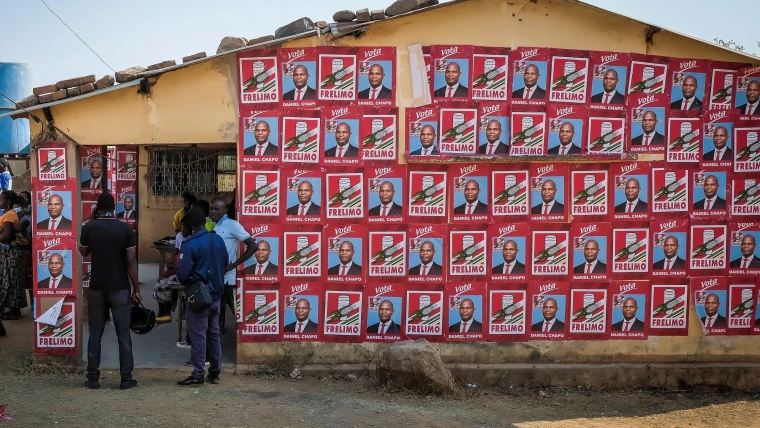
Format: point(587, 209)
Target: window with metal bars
point(204, 172)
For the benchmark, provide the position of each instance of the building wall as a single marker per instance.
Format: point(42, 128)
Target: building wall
point(198, 104)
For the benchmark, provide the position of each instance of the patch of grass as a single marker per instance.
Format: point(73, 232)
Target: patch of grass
point(26, 363)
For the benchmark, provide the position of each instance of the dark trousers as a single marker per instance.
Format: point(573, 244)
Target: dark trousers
point(228, 299)
point(120, 304)
point(197, 326)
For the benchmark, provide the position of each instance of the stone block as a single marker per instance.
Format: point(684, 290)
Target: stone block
point(321, 24)
point(400, 7)
point(261, 39)
point(231, 43)
point(59, 95)
point(47, 89)
point(69, 83)
point(298, 26)
point(46, 98)
point(104, 82)
point(344, 16)
point(377, 15)
point(88, 79)
point(87, 87)
point(28, 101)
point(72, 92)
point(362, 15)
point(169, 63)
point(193, 57)
point(129, 74)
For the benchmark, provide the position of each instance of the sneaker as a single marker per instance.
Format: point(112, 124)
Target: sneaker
point(128, 384)
point(189, 363)
point(92, 384)
point(213, 377)
point(183, 345)
point(191, 381)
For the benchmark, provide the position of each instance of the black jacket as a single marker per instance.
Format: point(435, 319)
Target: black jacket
point(271, 269)
point(392, 328)
point(418, 152)
point(657, 139)
point(538, 94)
point(271, 150)
point(679, 263)
point(501, 148)
point(573, 150)
point(480, 208)
point(314, 209)
point(309, 94)
point(637, 325)
point(727, 154)
point(557, 208)
point(475, 327)
point(518, 268)
point(384, 93)
point(557, 326)
point(63, 224)
point(461, 92)
point(65, 282)
point(696, 104)
point(599, 268)
point(310, 327)
point(641, 207)
point(435, 269)
point(394, 210)
point(617, 98)
point(353, 270)
point(719, 204)
point(351, 152)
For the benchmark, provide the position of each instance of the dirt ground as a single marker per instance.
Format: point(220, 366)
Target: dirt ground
point(276, 401)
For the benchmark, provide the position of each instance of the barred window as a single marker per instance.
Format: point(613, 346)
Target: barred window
point(204, 172)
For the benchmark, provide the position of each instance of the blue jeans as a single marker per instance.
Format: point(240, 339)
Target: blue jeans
point(197, 326)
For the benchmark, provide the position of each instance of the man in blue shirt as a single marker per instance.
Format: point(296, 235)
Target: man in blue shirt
point(196, 262)
point(6, 180)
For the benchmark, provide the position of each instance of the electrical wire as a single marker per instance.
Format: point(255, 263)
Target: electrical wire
point(77, 35)
point(36, 119)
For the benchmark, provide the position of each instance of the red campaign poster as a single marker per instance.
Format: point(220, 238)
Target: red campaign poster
point(261, 314)
point(747, 146)
point(261, 194)
point(54, 270)
point(422, 133)
point(689, 83)
point(51, 163)
point(126, 163)
point(341, 135)
point(647, 124)
point(337, 75)
point(741, 291)
point(747, 91)
point(493, 134)
point(606, 132)
point(94, 172)
point(304, 195)
point(377, 74)
point(589, 185)
point(745, 195)
point(302, 251)
point(717, 142)
point(126, 202)
point(569, 76)
point(467, 311)
point(86, 272)
point(343, 313)
point(54, 210)
point(528, 131)
point(630, 250)
point(548, 311)
point(427, 252)
point(743, 254)
point(458, 129)
point(387, 253)
point(510, 254)
point(709, 296)
point(707, 249)
point(298, 76)
point(685, 138)
point(550, 249)
point(261, 134)
point(489, 73)
point(507, 310)
point(567, 129)
point(59, 338)
point(301, 311)
point(721, 95)
point(384, 313)
point(345, 249)
point(629, 303)
point(239, 298)
point(469, 182)
point(669, 307)
point(264, 266)
point(346, 201)
point(591, 251)
point(428, 64)
point(670, 190)
point(111, 162)
point(709, 192)
point(386, 193)
point(509, 194)
point(425, 311)
point(549, 192)
point(670, 246)
point(631, 186)
point(468, 252)
point(451, 72)
point(427, 198)
point(259, 79)
point(379, 135)
point(588, 311)
point(647, 74)
point(530, 75)
point(88, 207)
point(609, 71)
point(301, 138)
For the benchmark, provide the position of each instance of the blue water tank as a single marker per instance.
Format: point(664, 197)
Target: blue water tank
point(16, 83)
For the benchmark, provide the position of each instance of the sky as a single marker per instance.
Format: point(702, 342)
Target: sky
point(144, 32)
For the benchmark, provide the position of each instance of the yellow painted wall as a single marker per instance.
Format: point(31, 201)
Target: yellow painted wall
point(198, 104)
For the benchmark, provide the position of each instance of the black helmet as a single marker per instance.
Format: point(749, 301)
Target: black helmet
point(143, 319)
